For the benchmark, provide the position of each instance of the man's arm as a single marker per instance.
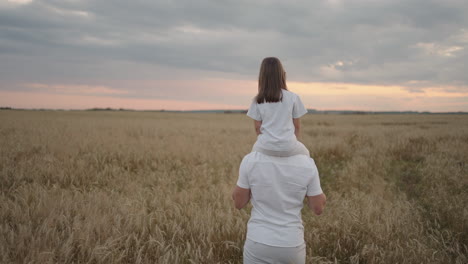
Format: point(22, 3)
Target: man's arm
point(317, 203)
point(297, 127)
point(241, 197)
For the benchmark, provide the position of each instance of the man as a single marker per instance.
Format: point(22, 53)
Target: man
point(277, 186)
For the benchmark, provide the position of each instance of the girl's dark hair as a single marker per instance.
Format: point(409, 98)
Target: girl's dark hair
point(271, 80)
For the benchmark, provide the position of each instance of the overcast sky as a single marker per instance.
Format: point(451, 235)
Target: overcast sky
point(187, 54)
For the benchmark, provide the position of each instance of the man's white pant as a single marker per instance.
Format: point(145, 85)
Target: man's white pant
point(256, 253)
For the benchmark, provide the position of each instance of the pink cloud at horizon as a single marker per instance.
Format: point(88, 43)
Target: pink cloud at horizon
point(74, 89)
point(62, 101)
point(204, 94)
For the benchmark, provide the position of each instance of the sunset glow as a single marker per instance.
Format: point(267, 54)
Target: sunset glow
point(344, 55)
point(230, 94)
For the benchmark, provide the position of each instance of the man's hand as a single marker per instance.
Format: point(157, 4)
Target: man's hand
point(241, 197)
point(317, 203)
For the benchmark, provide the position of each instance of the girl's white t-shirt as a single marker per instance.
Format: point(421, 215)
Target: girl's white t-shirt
point(277, 130)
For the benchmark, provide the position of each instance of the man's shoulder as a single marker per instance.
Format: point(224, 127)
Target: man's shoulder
point(301, 161)
point(250, 157)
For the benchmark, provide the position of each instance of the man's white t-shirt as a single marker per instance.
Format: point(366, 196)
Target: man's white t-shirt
point(279, 186)
point(277, 130)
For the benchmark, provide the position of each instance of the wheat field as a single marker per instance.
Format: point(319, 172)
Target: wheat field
point(154, 187)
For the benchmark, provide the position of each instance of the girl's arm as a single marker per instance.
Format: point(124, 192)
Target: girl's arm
point(257, 125)
point(297, 127)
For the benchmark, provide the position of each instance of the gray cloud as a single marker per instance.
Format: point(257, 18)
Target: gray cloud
point(414, 43)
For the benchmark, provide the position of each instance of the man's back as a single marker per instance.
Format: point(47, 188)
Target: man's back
point(279, 186)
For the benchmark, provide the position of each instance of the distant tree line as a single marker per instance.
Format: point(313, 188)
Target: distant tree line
point(243, 111)
point(108, 109)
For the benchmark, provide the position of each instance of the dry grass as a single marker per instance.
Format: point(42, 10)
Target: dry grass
point(141, 187)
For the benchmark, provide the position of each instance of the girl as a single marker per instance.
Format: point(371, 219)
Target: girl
point(277, 183)
point(276, 112)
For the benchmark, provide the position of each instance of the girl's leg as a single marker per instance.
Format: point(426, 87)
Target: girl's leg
point(298, 149)
point(257, 147)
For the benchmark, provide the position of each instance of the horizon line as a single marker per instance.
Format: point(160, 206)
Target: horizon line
point(309, 110)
